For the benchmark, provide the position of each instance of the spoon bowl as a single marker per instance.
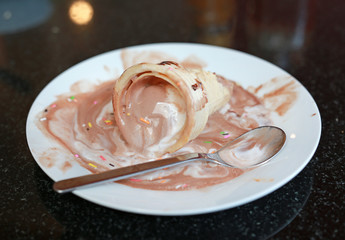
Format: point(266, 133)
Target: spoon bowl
point(253, 148)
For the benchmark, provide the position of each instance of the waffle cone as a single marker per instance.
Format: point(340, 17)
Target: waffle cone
point(199, 90)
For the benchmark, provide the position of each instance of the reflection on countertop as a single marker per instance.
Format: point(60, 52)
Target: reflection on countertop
point(70, 217)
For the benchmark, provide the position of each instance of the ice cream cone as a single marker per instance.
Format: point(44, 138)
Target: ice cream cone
point(161, 107)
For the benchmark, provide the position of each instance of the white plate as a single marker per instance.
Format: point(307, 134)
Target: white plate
point(302, 124)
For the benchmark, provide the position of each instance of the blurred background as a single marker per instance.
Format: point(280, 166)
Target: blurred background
point(274, 30)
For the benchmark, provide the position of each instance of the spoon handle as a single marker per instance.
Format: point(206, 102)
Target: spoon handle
point(71, 184)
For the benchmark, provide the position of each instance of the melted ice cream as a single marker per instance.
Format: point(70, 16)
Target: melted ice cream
point(84, 124)
point(153, 110)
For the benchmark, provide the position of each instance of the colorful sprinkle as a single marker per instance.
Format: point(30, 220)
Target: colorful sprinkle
point(53, 106)
point(163, 181)
point(226, 136)
point(128, 114)
point(145, 121)
point(135, 180)
point(102, 157)
point(263, 179)
point(90, 125)
point(111, 165)
point(207, 142)
point(43, 119)
point(72, 98)
point(108, 122)
point(92, 165)
point(170, 68)
point(181, 186)
point(76, 155)
point(95, 102)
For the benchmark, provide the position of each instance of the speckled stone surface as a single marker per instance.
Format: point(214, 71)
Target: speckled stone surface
point(304, 37)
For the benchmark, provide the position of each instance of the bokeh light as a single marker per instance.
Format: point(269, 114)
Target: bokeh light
point(81, 12)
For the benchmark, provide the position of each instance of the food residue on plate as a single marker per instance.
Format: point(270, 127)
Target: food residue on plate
point(83, 123)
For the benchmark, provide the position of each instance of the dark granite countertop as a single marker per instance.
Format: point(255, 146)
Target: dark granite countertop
point(39, 40)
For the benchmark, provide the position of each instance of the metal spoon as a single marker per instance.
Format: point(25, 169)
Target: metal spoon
point(249, 150)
